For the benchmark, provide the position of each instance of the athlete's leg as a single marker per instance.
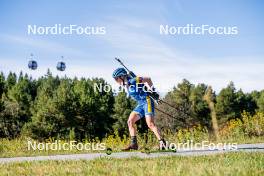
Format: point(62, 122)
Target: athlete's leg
point(149, 115)
point(156, 131)
point(133, 117)
point(152, 126)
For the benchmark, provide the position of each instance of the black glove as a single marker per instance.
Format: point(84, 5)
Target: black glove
point(154, 95)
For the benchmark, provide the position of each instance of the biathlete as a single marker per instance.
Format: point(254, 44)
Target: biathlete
point(145, 105)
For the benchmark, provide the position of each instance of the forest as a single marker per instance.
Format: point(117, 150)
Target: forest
point(56, 107)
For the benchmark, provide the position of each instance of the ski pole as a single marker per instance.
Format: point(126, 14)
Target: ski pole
point(162, 101)
point(164, 112)
point(180, 119)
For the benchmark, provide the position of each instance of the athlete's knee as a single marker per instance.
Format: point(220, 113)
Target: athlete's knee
point(130, 123)
point(151, 125)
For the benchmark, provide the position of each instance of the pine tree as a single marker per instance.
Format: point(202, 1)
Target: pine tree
point(45, 115)
point(11, 80)
point(200, 108)
point(10, 125)
point(226, 105)
point(2, 84)
point(20, 93)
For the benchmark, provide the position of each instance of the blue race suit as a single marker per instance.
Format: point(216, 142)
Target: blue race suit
point(145, 105)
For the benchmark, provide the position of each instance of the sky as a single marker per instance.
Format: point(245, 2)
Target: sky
point(132, 32)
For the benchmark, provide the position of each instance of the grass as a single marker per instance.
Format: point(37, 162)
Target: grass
point(251, 130)
point(235, 163)
point(19, 147)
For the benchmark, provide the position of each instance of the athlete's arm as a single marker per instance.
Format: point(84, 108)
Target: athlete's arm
point(153, 94)
point(147, 80)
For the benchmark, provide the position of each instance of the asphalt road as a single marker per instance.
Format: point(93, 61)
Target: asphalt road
point(242, 147)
